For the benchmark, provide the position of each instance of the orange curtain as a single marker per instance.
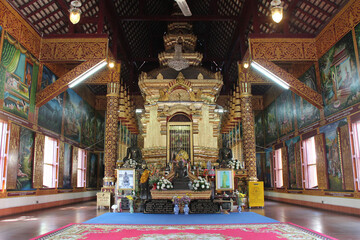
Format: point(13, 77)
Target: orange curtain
point(13, 162)
point(348, 174)
point(321, 162)
point(39, 161)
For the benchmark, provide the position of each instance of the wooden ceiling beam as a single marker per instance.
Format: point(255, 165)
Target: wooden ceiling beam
point(198, 18)
point(27, 4)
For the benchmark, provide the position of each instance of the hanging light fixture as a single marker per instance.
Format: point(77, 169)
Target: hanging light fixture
point(75, 12)
point(276, 10)
point(178, 62)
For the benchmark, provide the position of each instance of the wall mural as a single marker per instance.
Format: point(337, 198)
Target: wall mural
point(306, 113)
point(50, 114)
point(259, 130)
point(259, 169)
point(92, 170)
point(268, 160)
point(100, 131)
point(285, 113)
point(72, 115)
point(270, 123)
point(67, 166)
point(48, 77)
point(18, 77)
point(339, 76)
point(335, 171)
point(88, 124)
point(290, 144)
point(26, 155)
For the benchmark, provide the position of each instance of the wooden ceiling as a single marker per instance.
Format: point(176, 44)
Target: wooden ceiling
point(136, 28)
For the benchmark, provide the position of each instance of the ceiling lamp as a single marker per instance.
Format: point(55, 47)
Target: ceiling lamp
point(75, 12)
point(276, 10)
point(184, 7)
point(178, 62)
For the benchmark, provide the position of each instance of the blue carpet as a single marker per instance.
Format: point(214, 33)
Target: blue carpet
point(141, 218)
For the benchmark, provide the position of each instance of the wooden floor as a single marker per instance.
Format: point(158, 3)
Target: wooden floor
point(32, 224)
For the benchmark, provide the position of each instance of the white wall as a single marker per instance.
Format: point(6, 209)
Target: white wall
point(11, 202)
point(337, 201)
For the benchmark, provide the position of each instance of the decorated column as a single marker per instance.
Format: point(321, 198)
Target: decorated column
point(248, 125)
point(111, 130)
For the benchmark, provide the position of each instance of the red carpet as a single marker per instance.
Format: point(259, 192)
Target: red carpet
point(268, 231)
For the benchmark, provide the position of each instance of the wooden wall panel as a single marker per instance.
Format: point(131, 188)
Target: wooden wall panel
point(297, 152)
point(38, 160)
point(74, 166)
point(285, 166)
point(61, 164)
point(12, 167)
point(346, 160)
point(321, 162)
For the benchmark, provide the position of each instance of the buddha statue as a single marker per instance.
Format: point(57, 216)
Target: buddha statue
point(133, 152)
point(225, 154)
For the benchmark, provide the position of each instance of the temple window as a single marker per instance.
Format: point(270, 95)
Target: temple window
point(356, 156)
point(51, 162)
point(278, 170)
point(81, 170)
point(4, 146)
point(309, 163)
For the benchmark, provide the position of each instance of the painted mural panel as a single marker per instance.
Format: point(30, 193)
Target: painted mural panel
point(100, 131)
point(270, 123)
point(50, 114)
point(17, 72)
point(259, 168)
point(48, 77)
point(67, 166)
point(335, 171)
point(268, 160)
point(285, 113)
point(72, 115)
point(307, 113)
point(101, 169)
point(290, 144)
point(259, 130)
point(339, 76)
point(88, 124)
point(92, 170)
point(25, 166)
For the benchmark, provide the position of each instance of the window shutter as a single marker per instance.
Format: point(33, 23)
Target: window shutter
point(61, 164)
point(285, 167)
point(75, 155)
point(12, 166)
point(39, 161)
point(321, 163)
point(345, 154)
point(297, 153)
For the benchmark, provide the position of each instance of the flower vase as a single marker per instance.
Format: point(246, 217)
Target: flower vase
point(186, 209)
point(176, 209)
point(131, 206)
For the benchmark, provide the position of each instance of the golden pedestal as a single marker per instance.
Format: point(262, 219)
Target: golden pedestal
point(169, 194)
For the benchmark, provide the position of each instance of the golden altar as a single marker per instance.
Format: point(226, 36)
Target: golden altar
point(169, 194)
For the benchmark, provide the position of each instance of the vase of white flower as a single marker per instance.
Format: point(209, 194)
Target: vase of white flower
point(176, 209)
point(163, 184)
point(200, 184)
point(186, 209)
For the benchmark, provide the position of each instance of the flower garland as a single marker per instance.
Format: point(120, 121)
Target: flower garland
point(200, 184)
point(164, 184)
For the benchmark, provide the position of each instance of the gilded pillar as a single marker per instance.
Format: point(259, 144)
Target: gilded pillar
point(111, 132)
point(248, 125)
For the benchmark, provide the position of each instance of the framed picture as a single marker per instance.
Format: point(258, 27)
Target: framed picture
point(125, 179)
point(224, 179)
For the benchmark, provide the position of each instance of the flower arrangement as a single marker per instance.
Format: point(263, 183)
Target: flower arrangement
point(200, 184)
point(178, 200)
point(163, 184)
point(130, 197)
point(132, 163)
point(235, 164)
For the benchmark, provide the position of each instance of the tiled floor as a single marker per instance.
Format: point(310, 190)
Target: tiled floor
point(32, 224)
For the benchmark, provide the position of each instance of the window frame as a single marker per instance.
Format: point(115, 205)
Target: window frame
point(278, 169)
point(4, 152)
point(54, 163)
point(306, 179)
point(355, 138)
point(81, 168)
